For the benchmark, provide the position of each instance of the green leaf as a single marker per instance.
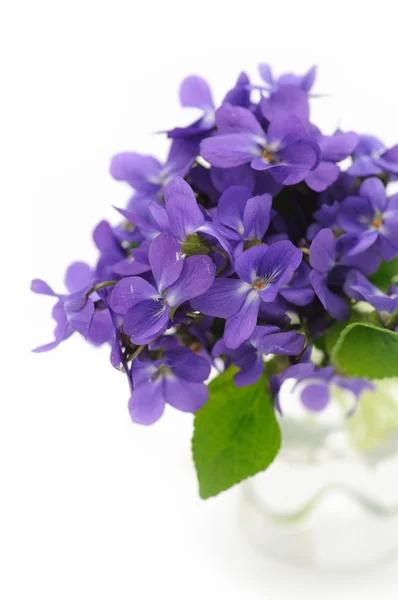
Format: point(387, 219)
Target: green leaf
point(332, 335)
point(236, 433)
point(365, 350)
point(384, 275)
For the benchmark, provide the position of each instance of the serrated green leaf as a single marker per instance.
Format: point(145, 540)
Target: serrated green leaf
point(365, 350)
point(384, 275)
point(236, 434)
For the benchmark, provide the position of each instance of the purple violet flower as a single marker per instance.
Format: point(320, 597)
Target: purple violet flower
point(146, 309)
point(262, 271)
point(176, 379)
point(76, 311)
point(357, 286)
point(371, 217)
point(372, 158)
point(195, 93)
point(146, 174)
point(245, 218)
point(287, 151)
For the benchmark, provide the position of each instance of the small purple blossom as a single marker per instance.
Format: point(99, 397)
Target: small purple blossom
point(262, 271)
point(371, 218)
point(371, 157)
point(146, 174)
point(286, 150)
point(357, 286)
point(76, 311)
point(147, 309)
point(177, 379)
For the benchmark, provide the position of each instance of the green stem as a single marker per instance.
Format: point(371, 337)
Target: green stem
point(226, 258)
point(101, 285)
point(137, 352)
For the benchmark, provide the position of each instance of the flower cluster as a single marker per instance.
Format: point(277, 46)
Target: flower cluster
point(245, 248)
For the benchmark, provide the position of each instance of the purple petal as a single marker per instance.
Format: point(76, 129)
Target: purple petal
point(104, 238)
point(287, 100)
point(284, 342)
point(388, 250)
point(145, 321)
point(225, 178)
point(297, 295)
point(286, 131)
point(338, 146)
point(147, 403)
point(336, 306)
point(77, 276)
point(358, 243)
point(240, 94)
point(62, 331)
point(363, 167)
point(38, 286)
point(303, 154)
point(374, 190)
point(130, 266)
point(256, 217)
point(194, 91)
point(249, 261)
point(391, 155)
point(223, 299)
point(308, 79)
point(231, 206)
point(183, 211)
point(251, 370)
point(143, 370)
point(230, 150)
point(196, 277)
point(138, 170)
point(101, 329)
point(277, 268)
point(236, 119)
point(181, 157)
point(323, 251)
point(159, 217)
point(80, 320)
point(358, 287)
point(322, 177)
point(188, 365)
point(352, 212)
point(266, 73)
point(128, 292)
point(240, 326)
point(187, 396)
point(165, 258)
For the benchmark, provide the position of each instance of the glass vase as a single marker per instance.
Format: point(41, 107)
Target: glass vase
point(330, 499)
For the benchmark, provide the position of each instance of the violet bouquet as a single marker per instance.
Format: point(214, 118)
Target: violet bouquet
point(249, 248)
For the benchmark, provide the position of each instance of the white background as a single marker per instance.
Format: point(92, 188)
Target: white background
point(92, 507)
